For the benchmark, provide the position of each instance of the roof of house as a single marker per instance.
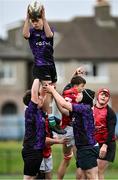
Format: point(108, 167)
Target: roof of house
point(8, 51)
point(94, 37)
point(84, 38)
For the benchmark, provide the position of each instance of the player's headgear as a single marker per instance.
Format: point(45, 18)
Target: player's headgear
point(88, 96)
point(106, 90)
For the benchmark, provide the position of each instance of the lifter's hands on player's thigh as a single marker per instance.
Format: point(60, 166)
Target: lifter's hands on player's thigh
point(103, 151)
point(48, 88)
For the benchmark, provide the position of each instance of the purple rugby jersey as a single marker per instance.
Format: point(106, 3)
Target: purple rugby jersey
point(42, 47)
point(34, 128)
point(83, 125)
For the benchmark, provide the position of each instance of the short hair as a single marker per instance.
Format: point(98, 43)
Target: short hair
point(27, 97)
point(76, 80)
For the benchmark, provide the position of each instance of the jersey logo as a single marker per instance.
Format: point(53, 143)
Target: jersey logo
point(73, 119)
point(37, 35)
point(42, 43)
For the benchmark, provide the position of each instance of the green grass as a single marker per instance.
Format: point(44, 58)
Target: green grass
point(11, 162)
point(110, 175)
point(58, 156)
point(10, 159)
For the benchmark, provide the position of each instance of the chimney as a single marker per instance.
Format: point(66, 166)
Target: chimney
point(103, 17)
point(102, 10)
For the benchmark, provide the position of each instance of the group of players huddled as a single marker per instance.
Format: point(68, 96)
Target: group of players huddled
point(86, 129)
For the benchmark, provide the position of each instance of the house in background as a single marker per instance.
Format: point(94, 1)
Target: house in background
point(89, 41)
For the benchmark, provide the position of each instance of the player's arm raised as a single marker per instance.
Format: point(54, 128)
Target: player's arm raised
point(58, 98)
point(47, 28)
point(26, 27)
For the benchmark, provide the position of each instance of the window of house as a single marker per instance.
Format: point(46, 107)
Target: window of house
point(9, 109)
point(97, 73)
point(7, 73)
point(60, 72)
point(18, 38)
point(57, 38)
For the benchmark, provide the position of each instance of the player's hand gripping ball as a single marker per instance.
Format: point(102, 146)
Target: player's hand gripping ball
point(34, 10)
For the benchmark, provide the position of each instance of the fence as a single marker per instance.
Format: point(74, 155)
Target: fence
point(11, 127)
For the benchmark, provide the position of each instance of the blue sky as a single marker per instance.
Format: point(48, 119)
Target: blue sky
point(12, 11)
